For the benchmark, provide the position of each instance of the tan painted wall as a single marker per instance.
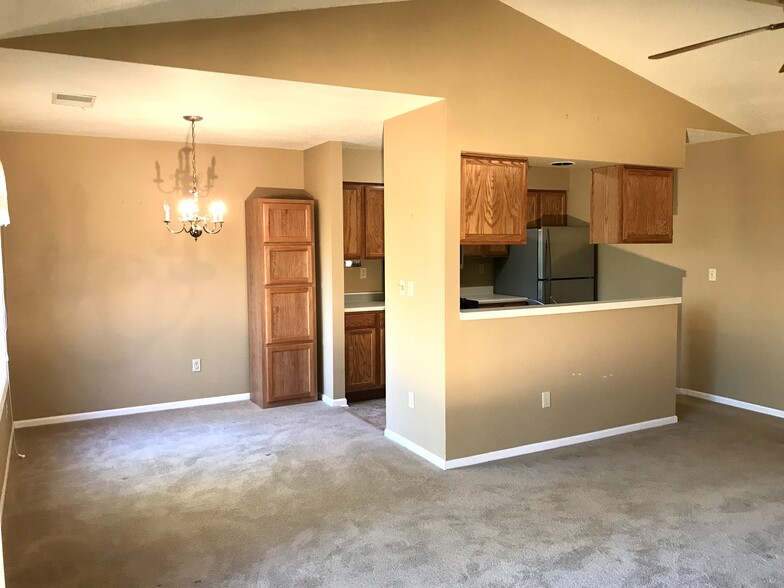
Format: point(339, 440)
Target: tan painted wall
point(324, 180)
point(105, 308)
point(363, 165)
point(414, 224)
point(512, 86)
point(728, 217)
point(603, 370)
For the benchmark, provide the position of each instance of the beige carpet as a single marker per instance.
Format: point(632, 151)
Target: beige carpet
point(310, 496)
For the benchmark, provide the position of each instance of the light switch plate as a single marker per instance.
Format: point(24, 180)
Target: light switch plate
point(411, 289)
point(546, 399)
point(410, 400)
point(712, 274)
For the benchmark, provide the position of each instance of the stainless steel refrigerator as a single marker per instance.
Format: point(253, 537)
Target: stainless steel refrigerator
point(556, 265)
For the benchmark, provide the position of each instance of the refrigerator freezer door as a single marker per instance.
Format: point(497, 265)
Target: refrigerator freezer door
point(564, 291)
point(564, 252)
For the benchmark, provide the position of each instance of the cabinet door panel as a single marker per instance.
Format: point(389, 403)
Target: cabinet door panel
point(290, 373)
point(532, 210)
point(361, 354)
point(287, 222)
point(493, 200)
point(496, 250)
point(552, 208)
point(353, 222)
point(374, 222)
point(647, 206)
point(382, 355)
point(291, 314)
point(288, 264)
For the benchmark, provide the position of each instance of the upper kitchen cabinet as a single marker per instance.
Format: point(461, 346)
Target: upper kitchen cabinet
point(631, 205)
point(493, 199)
point(363, 221)
point(546, 208)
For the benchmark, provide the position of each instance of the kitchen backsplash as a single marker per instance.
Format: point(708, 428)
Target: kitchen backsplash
point(476, 271)
point(374, 281)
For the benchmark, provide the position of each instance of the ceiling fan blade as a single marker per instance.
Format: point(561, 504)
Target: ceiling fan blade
point(771, 27)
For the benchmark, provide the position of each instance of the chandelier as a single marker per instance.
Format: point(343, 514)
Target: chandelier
point(191, 221)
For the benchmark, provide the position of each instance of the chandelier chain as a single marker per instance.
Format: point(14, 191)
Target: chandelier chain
point(193, 153)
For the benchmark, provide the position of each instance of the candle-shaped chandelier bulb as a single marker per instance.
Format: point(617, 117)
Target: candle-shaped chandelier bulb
point(188, 215)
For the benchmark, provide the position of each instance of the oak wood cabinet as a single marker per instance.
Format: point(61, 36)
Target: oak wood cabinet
point(363, 221)
point(631, 204)
point(281, 301)
point(365, 348)
point(546, 208)
point(485, 250)
point(493, 199)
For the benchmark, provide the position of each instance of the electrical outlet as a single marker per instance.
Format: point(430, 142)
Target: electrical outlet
point(481, 268)
point(363, 273)
point(712, 274)
point(402, 287)
point(546, 399)
point(411, 289)
point(410, 400)
point(196, 365)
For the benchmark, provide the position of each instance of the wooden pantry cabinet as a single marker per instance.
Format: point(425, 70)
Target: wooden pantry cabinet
point(281, 301)
point(363, 221)
point(493, 199)
point(365, 349)
point(631, 204)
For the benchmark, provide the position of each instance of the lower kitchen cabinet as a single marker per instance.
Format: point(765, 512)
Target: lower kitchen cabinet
point(365, 368)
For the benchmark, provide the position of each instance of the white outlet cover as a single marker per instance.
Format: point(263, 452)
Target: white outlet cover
point(363, 273)
point(712, 274)
point(546, 399)
point(196, 365)
point(410, 400)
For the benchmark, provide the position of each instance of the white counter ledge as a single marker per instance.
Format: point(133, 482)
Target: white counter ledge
point(363, 306)
point(478, 314)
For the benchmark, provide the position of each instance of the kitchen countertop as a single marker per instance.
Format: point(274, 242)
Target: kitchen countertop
point(363, 301)
point(476, 314)
point(484, 295)
point(363, 306)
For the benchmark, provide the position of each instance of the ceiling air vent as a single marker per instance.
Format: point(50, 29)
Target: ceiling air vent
point(562, 163)
point(80, 100)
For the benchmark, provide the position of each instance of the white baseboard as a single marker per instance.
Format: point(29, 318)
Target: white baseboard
point(411, 446)
point(732, 402)
point(102, 414)
point(555, 443)
point(338, 402)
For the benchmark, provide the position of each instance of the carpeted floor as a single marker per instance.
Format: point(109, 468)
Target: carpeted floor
point(309, 496)
point(373, 412)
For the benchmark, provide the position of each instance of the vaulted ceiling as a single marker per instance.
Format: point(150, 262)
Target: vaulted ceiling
point(737, 81)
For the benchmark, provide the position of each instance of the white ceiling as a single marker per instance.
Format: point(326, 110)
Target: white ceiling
point(737, 80)
point(237, 110)
point(34, 17)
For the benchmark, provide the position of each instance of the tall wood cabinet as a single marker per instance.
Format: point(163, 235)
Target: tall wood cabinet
point(363, 221)
point(493, 199)
point(281, 301)
point(631, 204)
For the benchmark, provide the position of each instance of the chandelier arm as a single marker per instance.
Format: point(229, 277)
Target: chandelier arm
point(216, 228)
point(182, 228)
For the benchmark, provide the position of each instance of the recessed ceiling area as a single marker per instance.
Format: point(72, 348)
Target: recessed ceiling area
point(237, 110)
point(737, 80)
